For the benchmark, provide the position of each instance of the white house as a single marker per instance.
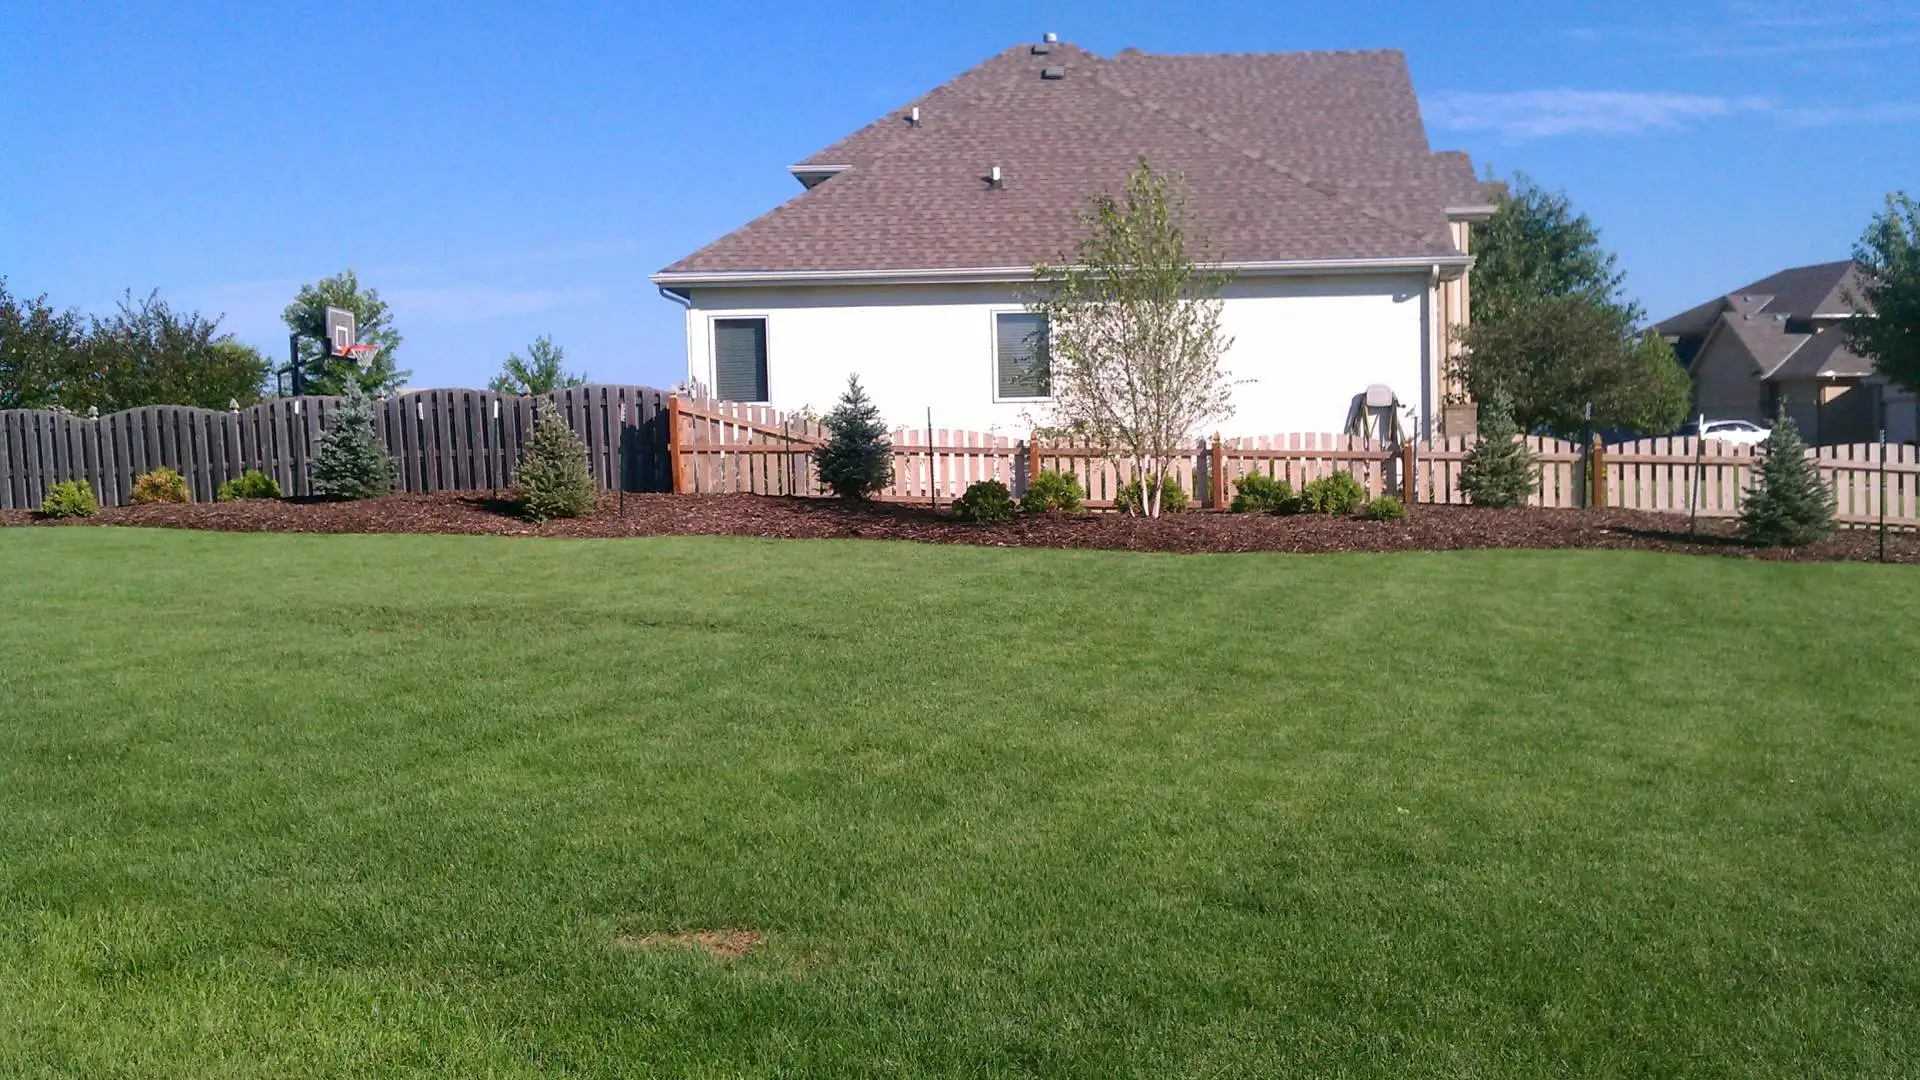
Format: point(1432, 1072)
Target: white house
point(907, 258)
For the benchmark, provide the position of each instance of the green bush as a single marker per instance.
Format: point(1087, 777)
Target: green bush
point(161, 485)
point(1789, 507)
point(1384, 508)
point(553, 481)
point(984, 501)
point(351, 463)
point(252, 484)
point(857, 459)
point(1258, 493)
point(1499, 470)
point(1172, 501)
point(1053, 491)
point(69, 498)
point(1338, 494)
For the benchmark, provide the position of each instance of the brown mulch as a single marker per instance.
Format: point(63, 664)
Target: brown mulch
point(1428, 528)
point(725, 944)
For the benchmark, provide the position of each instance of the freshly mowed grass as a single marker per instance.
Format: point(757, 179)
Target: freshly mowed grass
point(331, 806)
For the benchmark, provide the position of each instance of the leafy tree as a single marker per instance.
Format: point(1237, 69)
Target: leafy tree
point(1789, 506)
point(1134, 344)
point(1499, 470)
point(1886, 328)
point(1536, 247)
point(539, 373)
point(553, 481)
point(373, 324)
point(857, 458)
point(351, 463)
point(148, 354)
point(1550, 357)
point(38, 344)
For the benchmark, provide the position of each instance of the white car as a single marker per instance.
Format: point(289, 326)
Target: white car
point(1738, 432)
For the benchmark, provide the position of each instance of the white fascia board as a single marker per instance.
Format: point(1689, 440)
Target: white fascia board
point(1449, 266)
point(1471, 213)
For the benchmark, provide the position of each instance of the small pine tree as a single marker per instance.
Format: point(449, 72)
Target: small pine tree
point(1789, 507)
point(1499, 470)
point(553, 481)
point(857, 458)
point(351, 463)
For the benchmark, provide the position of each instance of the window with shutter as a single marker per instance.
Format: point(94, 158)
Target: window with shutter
point(1019, 350)
point(740, 359)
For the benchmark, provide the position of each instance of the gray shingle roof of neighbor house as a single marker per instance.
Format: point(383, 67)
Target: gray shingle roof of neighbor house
point(1803, 292)
point(1286, 157)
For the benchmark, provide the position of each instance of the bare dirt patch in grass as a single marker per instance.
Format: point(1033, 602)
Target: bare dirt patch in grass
point(729, 944)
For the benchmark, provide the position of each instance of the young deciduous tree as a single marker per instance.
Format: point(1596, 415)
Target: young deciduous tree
point(373, 324)
point(351, 463)
point(1535, 247)
point(1550, 357)
point(857, 458)
point(1789, 507)
point(1133, 350)
point(1886, 328)
point(539, 373)
point(1499, 470)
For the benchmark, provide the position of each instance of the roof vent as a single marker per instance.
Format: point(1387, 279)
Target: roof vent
point(993, 178)
point(1050, 38)
point(913, 116)
point(1053, 73)
point(1042, 49)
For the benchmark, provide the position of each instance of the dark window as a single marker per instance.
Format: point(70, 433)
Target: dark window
point(740, 359)
point(1019, 353)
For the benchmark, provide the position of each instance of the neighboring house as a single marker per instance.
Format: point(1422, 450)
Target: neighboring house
point(1782, 340)
point(909, 256)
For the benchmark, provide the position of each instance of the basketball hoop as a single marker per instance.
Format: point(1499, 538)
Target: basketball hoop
point(362, 354)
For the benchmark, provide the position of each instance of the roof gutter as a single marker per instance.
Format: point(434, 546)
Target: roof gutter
point(1447, 266)
point(1471, 213)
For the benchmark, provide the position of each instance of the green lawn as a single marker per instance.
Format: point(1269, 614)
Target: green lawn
point(383, 806)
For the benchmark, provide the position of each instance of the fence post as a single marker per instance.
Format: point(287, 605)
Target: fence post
point(673, 440)
point(1033, 457)
point(1409, 490)
point(1216, 475)
point(1597, 460)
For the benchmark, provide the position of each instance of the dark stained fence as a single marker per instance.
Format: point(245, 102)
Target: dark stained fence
point(441, 440)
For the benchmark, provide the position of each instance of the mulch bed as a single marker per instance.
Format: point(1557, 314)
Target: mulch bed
point(1428, 528)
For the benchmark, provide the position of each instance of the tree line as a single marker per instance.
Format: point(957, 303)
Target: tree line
point(148, 352)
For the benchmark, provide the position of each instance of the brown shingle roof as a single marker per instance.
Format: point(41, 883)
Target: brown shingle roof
point(1287, 157)
point(1825, 355)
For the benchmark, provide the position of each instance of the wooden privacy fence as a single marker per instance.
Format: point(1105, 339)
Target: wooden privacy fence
point(718, 447)
point(441, 440)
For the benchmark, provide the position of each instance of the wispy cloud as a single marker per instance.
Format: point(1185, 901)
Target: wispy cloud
point(1536, 114)
point(1762, 29)
point(1542, 113)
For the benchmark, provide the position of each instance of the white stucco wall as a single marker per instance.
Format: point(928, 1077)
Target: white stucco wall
point(1304, 345)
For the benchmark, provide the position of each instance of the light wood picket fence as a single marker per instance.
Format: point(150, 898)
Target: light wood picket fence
point(725, 447)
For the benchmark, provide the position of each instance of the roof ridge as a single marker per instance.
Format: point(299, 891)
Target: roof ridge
point(1382, 51)
point(1298, 177)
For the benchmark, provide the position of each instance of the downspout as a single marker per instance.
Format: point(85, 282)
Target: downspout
point(685, 300)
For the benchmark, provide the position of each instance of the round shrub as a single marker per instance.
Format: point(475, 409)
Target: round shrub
point(1258, 493)
point(161, 485)
point(252, 484)
point(69, 499)
point(984, 501)
point(1338, 494)
point(1384, 508)
point(1053, 491)
point(1172, 501)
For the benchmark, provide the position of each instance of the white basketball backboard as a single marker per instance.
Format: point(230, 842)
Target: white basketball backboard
point(340, 331)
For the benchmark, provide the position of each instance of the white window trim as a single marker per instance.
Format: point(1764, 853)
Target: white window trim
point(713, 349)
point(993, 355)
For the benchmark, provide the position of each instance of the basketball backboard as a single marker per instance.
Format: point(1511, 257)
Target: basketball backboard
point(340, 331)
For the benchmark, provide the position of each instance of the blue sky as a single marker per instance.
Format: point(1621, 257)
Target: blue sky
point(502, 171)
